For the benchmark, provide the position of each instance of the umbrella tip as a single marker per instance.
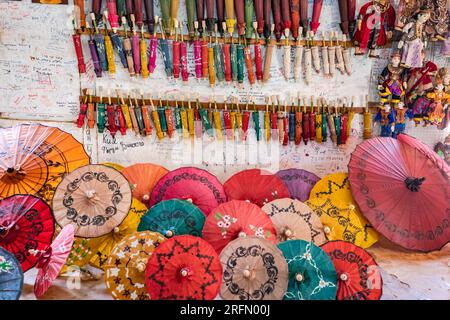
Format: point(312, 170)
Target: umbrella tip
point(145, 197)
point(343, 277)
point(242, 234)
point(298, 277)
point(327, 230)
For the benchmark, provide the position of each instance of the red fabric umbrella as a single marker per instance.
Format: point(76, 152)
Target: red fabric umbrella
point(256, 186)
point(235, 219)
point(26, 222)
point(52, 260)
point(196, 185)
point(404, 191)
point(358, 274)
point(183, 268)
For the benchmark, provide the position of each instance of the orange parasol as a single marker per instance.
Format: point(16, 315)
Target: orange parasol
point(94, 198)
point(142, 178)
point(34, 158)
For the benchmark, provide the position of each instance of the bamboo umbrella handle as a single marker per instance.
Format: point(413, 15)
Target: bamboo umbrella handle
point(267, 62)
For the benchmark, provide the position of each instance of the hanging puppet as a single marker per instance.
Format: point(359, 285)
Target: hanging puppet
point(438, 109)
point(414, 39)
point(375, 24)
point(386, 117)
point(401, 116)
point(437, 26)
point(392, 81)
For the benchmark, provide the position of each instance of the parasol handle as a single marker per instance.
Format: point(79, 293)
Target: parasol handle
point(413, 184)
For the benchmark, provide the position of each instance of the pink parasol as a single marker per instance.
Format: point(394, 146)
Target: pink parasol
point(188, 183)
point(403, 189)
point(52, 260)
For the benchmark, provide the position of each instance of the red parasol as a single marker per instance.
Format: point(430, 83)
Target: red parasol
point(358, 275)
point(52, 260)
point(403, 189)
point(235, 219)
point(188, 183)
point(256, 186)
point(26, 222)
point(183, 268)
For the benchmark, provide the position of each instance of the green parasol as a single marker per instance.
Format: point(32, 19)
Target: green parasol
point(173, 217)
point(311, 272)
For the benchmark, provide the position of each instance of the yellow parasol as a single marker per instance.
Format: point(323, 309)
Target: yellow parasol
point(113, 165)
point(343, 222)
point(125, 268)
point(335, 185)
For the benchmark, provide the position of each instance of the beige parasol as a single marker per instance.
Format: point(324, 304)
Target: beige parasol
point(94, 198)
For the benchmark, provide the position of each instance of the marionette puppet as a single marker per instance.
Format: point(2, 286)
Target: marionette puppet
point(401, 116)
point(438, 24)
point(414, 39)
point(438, 109)
point(386, 117)
point(444, 75)
point(374, 27)
point(392, 81)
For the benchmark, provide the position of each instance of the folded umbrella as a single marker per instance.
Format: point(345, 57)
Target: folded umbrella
point(125, 268)
point(253, 269)
point(26, 222)
point(312, 275)
point(143, 178)
point(34, 158)
point(11, 276)
point(52, 259)
point(403, 188)
point(173, 218)
point(343, 222)
point(299, 182)
point(295, 220)
point(94, 198)
point(189, 183)
point(358, 275)
point(183, 268)
point(256, 186)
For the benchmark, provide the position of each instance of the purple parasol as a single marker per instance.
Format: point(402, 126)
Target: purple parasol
point(299, 182)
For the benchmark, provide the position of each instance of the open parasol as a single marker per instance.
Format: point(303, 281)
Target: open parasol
point(311, 272)
point(52, 259)
point(26, 222)
point(188, 183)
point(183, 268)
point(335, 184)
point(11, 276)
point(142, 178)
point(253, 269)
point(299, 182)
point(295, 220)
point(105, 244)
point(343, 222)
point(34, 158)
point(173, 217)
point(113, 165)
point(256, 186)
point(358, 275)
point(94, 198)
point(82, 251)
point(235, 219)
point(125, 268)
point(403, 189)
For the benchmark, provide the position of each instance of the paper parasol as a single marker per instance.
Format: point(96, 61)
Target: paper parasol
point(113, 165)
point(11, 276)
point(125, 268)
point(358, 275)
point(299, 182)
point(183, 268)
point(256, 186)
point(235, 219)
point(143, 178)
point(26, 222)
point(294, 220)
point(94, 198)
point(403, 188)
point(192, 184)
point(34, 158)
point(311, 272)
point(173, 217)
point(253, 269)
point(105, 244)
point(342, 222)
point(52, 260)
